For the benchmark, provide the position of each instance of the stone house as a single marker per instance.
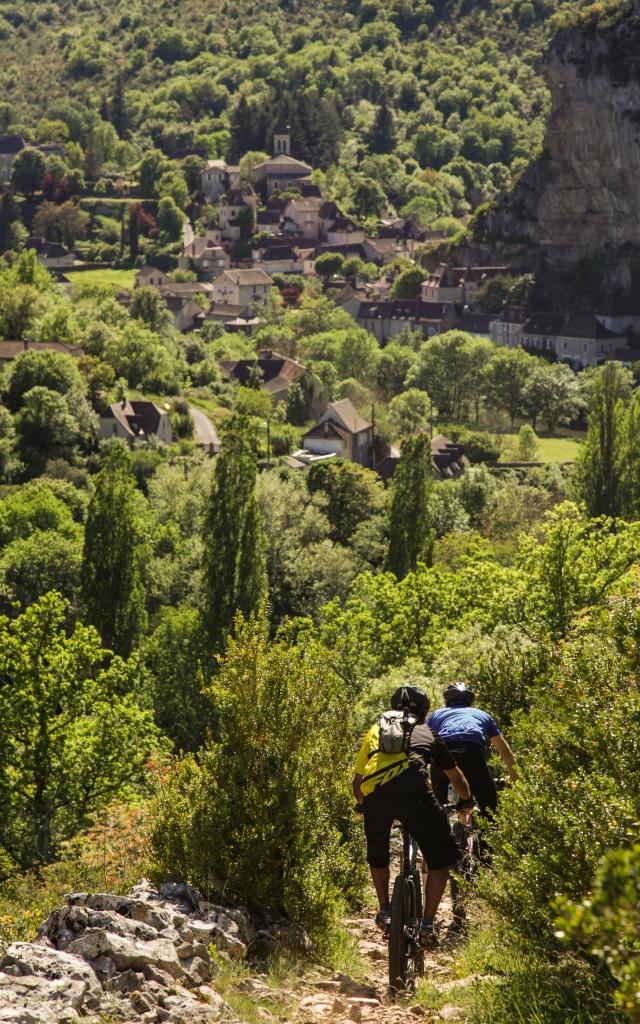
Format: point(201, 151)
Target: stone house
point(506, 328)
point(10, 146)
point(52, 255)
point(281, 171)
point(205, 256)
point(277, 373)
point(135, 421)
point(342, 432)
point(279, 259)
point(217, 177)
point(233, 204)
point(580, 340)
point(457, 284)
point(448, 459)
point(242, 288)
point(389, 317)
point(150, 277)
point(344, 231)
point(10, 349)
point(302, 217)
point(236, 319)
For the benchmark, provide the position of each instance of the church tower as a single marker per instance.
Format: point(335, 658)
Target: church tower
point(282, 139)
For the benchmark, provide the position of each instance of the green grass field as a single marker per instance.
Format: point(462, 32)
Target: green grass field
point(121, 278)
point(551, 449)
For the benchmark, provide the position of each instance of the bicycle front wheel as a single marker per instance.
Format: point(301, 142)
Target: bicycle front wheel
point(398, 952)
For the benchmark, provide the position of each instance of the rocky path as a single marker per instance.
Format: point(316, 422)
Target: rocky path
point(320, 995)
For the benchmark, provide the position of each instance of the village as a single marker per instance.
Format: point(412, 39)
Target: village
point(274, 237)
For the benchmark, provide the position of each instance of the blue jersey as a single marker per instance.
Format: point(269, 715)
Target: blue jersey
point(463, 724)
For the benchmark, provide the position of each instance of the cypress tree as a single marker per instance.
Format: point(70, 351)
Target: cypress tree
point(410, 531)
point(119, 106)
point(114, 555)
point(234, 554)
point(382, 139)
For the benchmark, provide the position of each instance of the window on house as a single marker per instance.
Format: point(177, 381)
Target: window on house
point(564, 346)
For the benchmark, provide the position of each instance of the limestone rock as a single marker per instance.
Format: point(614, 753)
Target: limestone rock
point(32, 959)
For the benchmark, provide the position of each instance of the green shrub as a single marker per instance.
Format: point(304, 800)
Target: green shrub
point(264, 816)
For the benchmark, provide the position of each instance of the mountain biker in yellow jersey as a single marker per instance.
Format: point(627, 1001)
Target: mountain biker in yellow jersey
point(395, 786)
point(465, 731)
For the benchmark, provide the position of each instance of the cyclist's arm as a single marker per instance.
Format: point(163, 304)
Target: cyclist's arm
point(459, 782)
point(500, 744)
point(355, 785)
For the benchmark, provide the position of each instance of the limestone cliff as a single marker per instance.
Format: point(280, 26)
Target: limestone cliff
point(581, 197)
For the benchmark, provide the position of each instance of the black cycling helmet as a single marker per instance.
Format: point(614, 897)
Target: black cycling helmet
point(411, 697)
point(458, 693)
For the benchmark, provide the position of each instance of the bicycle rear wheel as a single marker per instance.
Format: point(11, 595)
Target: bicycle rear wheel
point(398, 952)
point(418, 954)
point(459, 873)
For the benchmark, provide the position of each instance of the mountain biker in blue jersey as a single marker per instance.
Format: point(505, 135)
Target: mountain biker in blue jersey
point(465, 730)
point(395, 787)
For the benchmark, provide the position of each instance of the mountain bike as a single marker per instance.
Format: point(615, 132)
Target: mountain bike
point(464, 826)
point(406, 959)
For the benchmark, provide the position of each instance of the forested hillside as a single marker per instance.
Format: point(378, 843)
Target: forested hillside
point(451, 90)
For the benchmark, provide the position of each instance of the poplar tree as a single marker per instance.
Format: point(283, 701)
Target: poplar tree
point(599, 462)
point(114, 555)
point(234, 550)
point(410, 530)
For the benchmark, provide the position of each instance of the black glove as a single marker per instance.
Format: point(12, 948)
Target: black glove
point(464, 804)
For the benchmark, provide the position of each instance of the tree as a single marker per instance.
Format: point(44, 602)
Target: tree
point(407, 284)
point(28, 171)
point(148, 306)
point(170, 219)
point(410, 529)
point(56, 371)
point(72, 736)
point(528, 448)
point(552, 391)
point(234, 561)
point(237, 814)
point(328, 264)
point(382, 138)
point(249, 161)
point(72, 222)
point(353, 492)
point(410, 411)
point(369, 199)
point(119, 113)
point(507, 375)
point(173, 656)
point(114, 555)
point(599, 459)
point(32, 566)
point(46, 429)
point(394, 363)
point(446, 368)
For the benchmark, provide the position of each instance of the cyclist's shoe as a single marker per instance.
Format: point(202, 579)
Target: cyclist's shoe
point(382, 918)
point(427, 938)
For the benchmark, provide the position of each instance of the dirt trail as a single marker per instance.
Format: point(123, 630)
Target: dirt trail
point(320, 995)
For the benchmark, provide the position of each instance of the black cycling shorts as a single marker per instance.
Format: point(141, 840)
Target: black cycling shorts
point(471, 759)
point(407, 799)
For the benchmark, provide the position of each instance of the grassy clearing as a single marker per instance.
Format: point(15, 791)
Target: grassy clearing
point(121, 278)
point(551, 449)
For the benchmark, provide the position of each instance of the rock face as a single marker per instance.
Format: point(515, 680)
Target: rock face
point(582, 196)
point(141, 957)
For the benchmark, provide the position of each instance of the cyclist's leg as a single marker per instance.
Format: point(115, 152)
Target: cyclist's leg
point(471, 759)
point(421, 814)
point(378, 818)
